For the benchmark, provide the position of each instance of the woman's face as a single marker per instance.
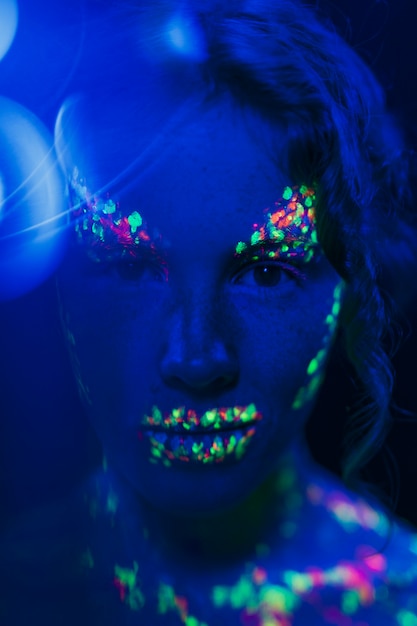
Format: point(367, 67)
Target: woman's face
point(199, 312)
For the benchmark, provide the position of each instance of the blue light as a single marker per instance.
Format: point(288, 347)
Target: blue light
point(8, 24)
point(185, 36)
point(32, 202)
point(177, 38)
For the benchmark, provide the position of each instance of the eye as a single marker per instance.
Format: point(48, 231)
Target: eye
point(266, 274)
point(134, 270)
point(262, 275)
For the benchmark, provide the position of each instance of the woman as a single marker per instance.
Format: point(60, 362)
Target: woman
point(235, 185)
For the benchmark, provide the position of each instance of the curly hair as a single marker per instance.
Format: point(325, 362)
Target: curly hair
point(276, 56)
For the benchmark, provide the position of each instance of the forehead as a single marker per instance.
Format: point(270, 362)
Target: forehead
point(208, 168)
point(217, 167)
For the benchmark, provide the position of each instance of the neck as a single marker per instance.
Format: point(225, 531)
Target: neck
point(230, 536)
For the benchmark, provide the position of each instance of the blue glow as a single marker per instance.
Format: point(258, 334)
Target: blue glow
point(177, 38)
point(8, 25)
point(186, 37)
point(32, 202)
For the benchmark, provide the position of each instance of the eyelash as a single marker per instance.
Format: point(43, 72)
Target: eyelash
point(291, 270)
point(124, 261)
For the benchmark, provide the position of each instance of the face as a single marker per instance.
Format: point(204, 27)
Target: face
point(199, 311)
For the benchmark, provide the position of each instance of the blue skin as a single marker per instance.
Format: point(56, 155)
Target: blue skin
point(210, 336)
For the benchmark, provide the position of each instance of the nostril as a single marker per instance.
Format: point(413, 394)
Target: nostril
point(205, 375)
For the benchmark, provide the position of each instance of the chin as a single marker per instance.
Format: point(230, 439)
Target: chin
point(197, 492)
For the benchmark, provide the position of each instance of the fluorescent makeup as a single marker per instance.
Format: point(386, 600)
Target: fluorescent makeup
point(362, 588)
point(108, 233)
point(291, 224)
point(315, 369)
point(125, 580)
point(170, 602)
point(350, 515)
point(212, 437)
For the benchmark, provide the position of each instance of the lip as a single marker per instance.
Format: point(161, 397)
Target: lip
point(219, 435)
point(197, 448)
point(183, 421)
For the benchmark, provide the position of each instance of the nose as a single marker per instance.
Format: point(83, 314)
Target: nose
point(198, 357)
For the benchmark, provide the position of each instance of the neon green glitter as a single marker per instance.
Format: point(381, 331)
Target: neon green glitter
point(336, 309)
point(291, 222)
point(255, 237)
point(135, 220)
point(240, 247)
point(169, 601)
point(109, 207)
point(315, 369)
point(197, 447)
point(406, 618)
point(350, 602)
point(298, 582)
point(126, 576)
point(213, 418)
point(194, 448)
point(126, 581)
point(166, 598)
point(277, 599)
point(241, 594)
point(313, 366)
point(156, 415)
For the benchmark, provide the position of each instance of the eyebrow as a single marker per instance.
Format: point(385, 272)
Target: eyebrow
point(288, 227)
point(288, 240)
point(302, 250)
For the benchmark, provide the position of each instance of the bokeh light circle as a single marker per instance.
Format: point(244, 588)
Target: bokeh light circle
point(32, 202)
point(8, 24)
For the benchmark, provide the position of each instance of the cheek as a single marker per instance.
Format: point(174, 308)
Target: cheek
point(316, 366)
point(113, 357)
point(284, 353)
point(113, 340)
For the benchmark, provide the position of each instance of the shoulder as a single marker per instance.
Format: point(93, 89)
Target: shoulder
point(368, 551)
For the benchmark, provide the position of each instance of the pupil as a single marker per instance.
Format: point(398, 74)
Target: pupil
point(267, 276)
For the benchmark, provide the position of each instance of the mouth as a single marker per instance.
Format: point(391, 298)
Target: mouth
point(189, 421)
point(216, 436)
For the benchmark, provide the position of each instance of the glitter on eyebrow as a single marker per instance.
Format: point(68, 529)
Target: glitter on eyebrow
point(292, 222)
point(100, 221)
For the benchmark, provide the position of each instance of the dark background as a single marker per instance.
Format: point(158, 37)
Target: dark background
point(46, 445)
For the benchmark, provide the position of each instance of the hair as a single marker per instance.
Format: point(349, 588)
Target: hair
point(277, 56)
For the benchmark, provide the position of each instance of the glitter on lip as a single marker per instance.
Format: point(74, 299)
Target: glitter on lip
point(181, 421)
point(169, 447)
